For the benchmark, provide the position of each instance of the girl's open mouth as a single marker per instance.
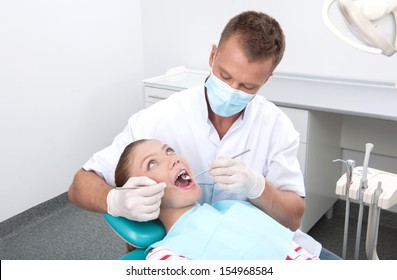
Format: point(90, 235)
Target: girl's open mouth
point(183, 180)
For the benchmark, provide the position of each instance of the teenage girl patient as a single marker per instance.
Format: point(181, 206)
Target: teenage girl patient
point(197, 231)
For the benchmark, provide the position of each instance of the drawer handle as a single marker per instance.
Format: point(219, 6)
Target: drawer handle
point(156, 97)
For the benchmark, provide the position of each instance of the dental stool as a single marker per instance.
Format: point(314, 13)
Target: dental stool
point(138, 234)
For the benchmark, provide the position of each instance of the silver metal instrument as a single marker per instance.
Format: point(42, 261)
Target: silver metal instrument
point(349, 173)
point(239, 154)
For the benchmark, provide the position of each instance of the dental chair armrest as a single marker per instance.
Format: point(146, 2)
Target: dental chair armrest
point(137, 234)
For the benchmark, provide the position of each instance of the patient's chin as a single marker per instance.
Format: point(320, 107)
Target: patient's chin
point(178, 198)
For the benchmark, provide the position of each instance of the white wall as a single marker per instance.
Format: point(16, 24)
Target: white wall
point(70, 75)
point(183, 31)
point(184, 28)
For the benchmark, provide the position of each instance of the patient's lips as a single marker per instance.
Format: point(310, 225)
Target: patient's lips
point(183, 179)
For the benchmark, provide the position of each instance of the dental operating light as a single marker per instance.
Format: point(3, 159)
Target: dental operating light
point(364, 18)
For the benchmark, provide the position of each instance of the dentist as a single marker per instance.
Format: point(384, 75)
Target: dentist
point(216, 120)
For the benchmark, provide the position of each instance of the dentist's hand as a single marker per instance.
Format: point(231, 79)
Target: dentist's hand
point(140, 204)
point(235, 176)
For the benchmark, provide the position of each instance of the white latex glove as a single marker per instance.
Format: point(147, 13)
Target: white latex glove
point(140, 204)
point(235, 176)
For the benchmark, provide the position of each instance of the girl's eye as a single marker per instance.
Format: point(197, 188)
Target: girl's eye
point(170, 151)
point(151, 164)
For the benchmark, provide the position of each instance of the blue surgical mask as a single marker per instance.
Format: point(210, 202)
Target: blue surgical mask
point(224, 100)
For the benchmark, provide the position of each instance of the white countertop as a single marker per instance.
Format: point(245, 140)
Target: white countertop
point(343, 97)
point(357, 98)
point(177, 78)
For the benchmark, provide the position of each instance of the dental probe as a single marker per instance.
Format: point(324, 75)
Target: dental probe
point(239, 154)
point(138, 187)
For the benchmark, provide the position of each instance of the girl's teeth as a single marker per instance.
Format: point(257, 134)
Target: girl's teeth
point(185, 177)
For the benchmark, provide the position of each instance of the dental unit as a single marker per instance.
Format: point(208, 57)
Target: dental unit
point(368, 186)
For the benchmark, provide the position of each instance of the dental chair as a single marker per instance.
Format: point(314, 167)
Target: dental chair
point(138, 234)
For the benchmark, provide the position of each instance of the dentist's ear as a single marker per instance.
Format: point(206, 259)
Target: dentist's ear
point(267, 79)
point(214, 49)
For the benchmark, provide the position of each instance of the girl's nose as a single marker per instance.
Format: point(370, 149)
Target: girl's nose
point(174, 161)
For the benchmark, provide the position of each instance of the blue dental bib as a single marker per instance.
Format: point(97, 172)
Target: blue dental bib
point(227, 230)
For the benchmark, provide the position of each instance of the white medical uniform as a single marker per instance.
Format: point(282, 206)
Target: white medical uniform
point(181, 121)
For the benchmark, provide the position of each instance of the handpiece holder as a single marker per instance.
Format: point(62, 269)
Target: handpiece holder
point(370, 186)
point(388, 197)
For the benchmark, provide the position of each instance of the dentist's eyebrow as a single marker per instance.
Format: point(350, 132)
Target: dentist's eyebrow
point(165, 146)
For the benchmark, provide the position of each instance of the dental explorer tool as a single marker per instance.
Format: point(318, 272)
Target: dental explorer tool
point(349, 173)
point(363, 187)
point(239, 154)
point(132, 188)
point(138, 187)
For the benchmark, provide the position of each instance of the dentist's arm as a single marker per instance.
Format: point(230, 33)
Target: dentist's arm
point(286, 207)
point(283, 206)
point(140, 201)
point(89, 191)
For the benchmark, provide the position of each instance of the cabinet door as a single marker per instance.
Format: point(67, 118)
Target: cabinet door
point(300, 119)
point(320, 142)
point(323, 146)
point(152, 94)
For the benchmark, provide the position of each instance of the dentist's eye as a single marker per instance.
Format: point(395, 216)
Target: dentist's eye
point(225, 76)
point(248, 87)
